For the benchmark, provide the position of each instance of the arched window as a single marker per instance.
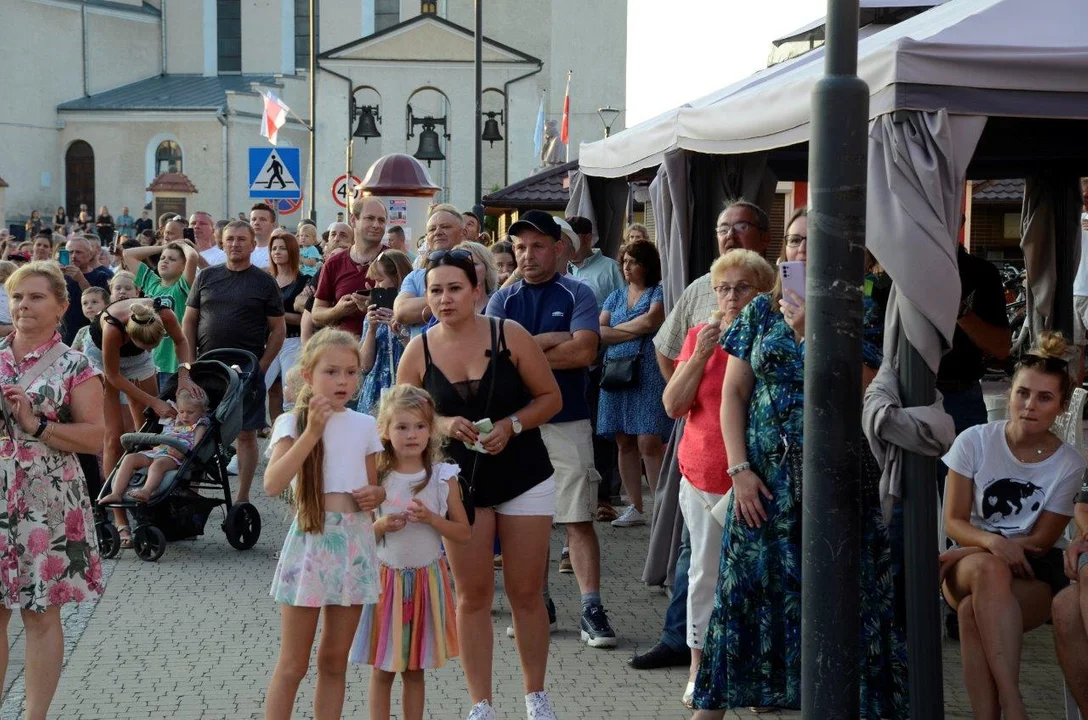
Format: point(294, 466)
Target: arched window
point(167, 158)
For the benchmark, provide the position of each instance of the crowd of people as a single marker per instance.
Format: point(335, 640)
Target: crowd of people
point(432, 408)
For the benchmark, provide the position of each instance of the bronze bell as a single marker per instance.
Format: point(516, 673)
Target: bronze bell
point(367, 127)
point(491, 129)
point(428, 145)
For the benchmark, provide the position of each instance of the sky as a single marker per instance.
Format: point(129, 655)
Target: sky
point(680, 50)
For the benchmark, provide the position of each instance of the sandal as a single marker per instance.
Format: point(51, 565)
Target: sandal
point(605, 512)
point(126, 537)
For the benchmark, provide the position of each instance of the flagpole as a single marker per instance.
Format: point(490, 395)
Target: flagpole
point(478, 143)
point(312, 193)
point(566, 112)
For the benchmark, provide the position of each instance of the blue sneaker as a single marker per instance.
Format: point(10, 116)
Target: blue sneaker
point(596, 632)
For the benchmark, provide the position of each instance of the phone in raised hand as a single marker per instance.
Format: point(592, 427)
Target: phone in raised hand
point(792, 273)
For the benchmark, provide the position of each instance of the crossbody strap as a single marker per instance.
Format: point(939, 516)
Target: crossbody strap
point(42, 364)
point(491, 365)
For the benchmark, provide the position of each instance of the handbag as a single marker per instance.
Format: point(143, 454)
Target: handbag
point(622, 373)
point(468, 487)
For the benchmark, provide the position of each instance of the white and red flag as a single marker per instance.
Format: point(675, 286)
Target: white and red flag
point(274, 116)
point(564, 129)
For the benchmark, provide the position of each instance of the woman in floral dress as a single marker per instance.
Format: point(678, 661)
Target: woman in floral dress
point(48, 549)
point(752, 649)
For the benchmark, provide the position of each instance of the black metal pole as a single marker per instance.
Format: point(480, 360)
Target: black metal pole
point(477, 188)
point(920, 551)
point(831, 511)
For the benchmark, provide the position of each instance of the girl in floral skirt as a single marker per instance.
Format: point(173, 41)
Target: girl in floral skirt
point(328, 564)
point(412, 628)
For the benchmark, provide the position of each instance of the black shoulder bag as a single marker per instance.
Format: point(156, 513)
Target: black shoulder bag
point(468, 487)
point(623, 373)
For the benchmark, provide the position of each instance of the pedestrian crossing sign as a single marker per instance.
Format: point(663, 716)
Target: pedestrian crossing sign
point(274, 173)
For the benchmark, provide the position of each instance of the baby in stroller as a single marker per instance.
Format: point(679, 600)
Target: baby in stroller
point(188, 427)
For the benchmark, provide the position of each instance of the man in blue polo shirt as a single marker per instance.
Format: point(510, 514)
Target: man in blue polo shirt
point(561, 314)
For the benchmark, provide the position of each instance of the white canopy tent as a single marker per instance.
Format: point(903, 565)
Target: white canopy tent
point(976, 57)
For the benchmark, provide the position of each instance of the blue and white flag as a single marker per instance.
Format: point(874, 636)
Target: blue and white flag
point(538, 132)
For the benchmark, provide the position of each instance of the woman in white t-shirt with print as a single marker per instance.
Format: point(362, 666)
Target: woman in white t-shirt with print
point(1008, 497)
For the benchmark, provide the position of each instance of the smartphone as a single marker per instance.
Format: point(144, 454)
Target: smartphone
point(64, 257)
point(383, 297)
point(188, 234)
point(484, 427)
point(793, 277)
point(7, 418)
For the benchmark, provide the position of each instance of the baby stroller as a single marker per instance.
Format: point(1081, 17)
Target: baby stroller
point(177, 510)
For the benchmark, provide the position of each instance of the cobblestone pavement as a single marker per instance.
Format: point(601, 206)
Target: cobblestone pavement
point(195, 636)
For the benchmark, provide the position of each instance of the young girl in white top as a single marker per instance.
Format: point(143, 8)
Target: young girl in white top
point(412, 628)
point(329, 454)
point(1009, 495)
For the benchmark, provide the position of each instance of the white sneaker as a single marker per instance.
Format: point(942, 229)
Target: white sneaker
point(629, 518)
point(482, 711)
point(232, 466)
point(538, 706)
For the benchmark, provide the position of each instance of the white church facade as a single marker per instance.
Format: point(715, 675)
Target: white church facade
point(101, 96)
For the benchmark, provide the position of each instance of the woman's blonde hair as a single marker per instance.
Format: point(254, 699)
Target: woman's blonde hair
point(482, 253)
point(401, 398)
point(7, 267)
point(1048, 357)
point(309, 495)
point(46, 269)
point(144, 325)
point(747, 261)
point(636, 226)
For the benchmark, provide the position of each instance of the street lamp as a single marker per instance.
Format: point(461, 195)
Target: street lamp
point(608, 115)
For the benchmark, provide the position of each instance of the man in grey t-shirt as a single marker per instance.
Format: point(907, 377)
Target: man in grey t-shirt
point(237, 305)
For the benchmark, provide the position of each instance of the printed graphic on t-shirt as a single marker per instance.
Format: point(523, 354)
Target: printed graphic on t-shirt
point(1008, 503)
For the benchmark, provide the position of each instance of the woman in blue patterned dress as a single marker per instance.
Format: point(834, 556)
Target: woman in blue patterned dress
point(635, 416)
point(752, 652)
point(383, 342)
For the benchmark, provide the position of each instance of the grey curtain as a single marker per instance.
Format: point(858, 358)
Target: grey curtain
point(716, 179)
point(580, 203)
point(672, 215)
point(917, 166)
point(667, 524)
point(1049, 230)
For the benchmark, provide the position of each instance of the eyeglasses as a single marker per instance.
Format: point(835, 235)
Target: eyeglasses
point(438, 255)
point(740, 290)
point(794, 241)
point(738, 227)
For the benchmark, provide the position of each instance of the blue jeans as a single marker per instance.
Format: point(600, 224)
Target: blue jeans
point(674, 632)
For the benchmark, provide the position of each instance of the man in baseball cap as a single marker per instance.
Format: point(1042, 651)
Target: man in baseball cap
point(561, 313)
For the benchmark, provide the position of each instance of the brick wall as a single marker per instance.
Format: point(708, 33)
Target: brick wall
point(988, 232)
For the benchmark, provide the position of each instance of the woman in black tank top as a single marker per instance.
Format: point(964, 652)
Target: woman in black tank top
point(476, 367)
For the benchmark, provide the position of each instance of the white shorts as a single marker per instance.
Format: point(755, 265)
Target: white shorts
point(570, 449)
point(537, 500)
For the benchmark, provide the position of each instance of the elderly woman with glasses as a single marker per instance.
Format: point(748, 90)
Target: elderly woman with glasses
point(695, 392)
point(752, 648)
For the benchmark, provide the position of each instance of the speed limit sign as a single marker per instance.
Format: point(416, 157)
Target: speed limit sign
point(340, 188)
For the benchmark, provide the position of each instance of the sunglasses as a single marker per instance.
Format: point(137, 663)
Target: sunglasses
point(1049, 364)
point(439, 255)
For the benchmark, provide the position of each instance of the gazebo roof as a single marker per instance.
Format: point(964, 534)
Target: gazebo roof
point(546, 190)
point(172, 182)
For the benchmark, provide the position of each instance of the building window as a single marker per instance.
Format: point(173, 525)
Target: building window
point(386, 14)
point(167, 157)
point(229, 27)
point(428, 7)
point(302, 33)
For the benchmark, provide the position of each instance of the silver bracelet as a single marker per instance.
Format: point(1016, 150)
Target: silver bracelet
point(738, 469)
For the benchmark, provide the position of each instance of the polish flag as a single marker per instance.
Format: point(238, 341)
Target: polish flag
point(274, 117)
point(564, 129)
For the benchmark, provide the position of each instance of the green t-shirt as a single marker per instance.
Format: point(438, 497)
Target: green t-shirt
point(166, 359)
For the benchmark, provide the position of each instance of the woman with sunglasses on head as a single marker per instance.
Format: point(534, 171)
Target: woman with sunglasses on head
point(752, 646)
point(476, 369)
point(1009, 495)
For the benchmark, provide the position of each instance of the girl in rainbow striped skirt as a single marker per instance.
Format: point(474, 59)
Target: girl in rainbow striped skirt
point(412, 628)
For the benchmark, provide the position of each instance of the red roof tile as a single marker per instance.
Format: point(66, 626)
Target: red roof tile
point(172, 182)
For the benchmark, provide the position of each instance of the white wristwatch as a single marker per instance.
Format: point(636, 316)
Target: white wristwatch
point(515, 424)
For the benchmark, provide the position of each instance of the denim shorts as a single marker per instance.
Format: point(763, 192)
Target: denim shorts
point(134, 368)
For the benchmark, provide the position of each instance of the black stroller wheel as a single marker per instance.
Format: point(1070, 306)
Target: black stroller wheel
point(242, 526)
point(149, 542)
point(109, 540)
